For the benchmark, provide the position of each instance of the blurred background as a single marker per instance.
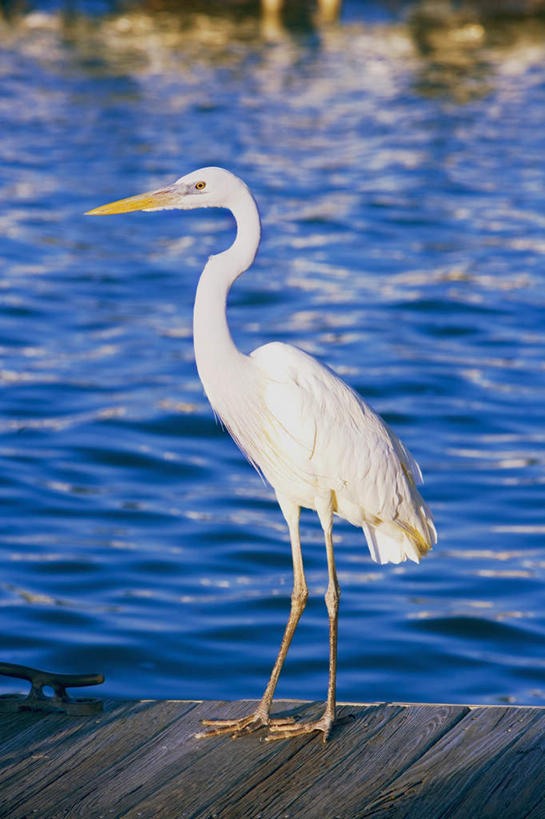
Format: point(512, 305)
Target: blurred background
point(396, 150)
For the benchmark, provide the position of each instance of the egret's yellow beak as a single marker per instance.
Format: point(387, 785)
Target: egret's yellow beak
point(163, 199)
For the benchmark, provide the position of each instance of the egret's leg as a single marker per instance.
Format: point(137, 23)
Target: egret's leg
point(299, 596)
point(332, 597)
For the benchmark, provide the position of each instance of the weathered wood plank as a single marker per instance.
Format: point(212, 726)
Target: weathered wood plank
point(537, 811)
point(513, 778)
point(378, 744)
point(174, 752)
point(217, 766)
point(41, 737)
point(140, 760)
point(13, 725)
point(133, 767)
point(52, 770)
point(444, 778)
point(376, 759)
point(304, 764)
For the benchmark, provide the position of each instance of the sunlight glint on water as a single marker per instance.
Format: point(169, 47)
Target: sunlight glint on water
point(403, 213)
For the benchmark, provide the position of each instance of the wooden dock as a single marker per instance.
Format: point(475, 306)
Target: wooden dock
point(140, 760)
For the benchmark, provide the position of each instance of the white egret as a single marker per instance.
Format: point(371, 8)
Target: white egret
point(314, 439)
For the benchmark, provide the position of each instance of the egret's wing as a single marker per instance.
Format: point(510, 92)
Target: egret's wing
point(328, 424)
point(322, 429)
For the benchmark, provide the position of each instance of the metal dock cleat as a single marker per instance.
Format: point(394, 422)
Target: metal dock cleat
point(59, 702)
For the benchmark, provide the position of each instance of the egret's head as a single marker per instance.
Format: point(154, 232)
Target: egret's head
point(207, 187)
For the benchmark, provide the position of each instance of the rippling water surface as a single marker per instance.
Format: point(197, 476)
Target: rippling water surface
point(400, 173)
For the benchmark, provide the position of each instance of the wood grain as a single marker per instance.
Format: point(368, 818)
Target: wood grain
point(449, 776)
point(140, 760)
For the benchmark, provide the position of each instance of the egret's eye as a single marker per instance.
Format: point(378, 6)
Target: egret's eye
point(200, 185)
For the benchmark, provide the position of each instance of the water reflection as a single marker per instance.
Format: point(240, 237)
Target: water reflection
point(451, 53)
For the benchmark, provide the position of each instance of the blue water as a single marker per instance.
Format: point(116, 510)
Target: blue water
point(400, 175)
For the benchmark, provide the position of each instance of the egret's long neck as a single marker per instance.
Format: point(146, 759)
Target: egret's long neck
point(215, 352)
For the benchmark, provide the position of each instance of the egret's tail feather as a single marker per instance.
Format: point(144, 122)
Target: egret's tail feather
point(386, 547)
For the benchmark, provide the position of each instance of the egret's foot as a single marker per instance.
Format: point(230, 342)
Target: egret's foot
point(297, 729)
point(243, 725)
